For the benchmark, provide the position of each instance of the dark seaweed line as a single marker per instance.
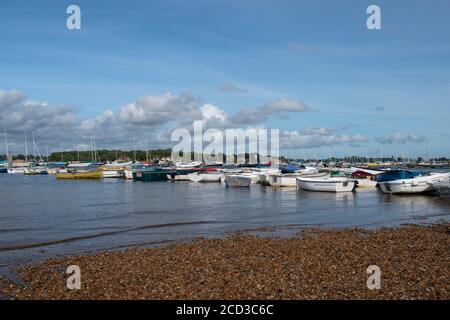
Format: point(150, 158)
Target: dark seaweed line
point(47, 243)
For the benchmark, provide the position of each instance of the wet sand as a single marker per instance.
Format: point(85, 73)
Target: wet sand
point(313, 264)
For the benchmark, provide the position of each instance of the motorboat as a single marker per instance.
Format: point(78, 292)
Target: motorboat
point(419, 184)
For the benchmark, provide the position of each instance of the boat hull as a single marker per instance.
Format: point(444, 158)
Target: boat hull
point(282, 181)
point(238, 181)
point(113, 174)
point(151, 175)
point(326, 185)
point(16, 171)
point(205, 177)
point(416, 185)
point(366, 183)
point(128, 174)
point(80, 175)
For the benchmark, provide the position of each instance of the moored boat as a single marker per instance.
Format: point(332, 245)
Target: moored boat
point(80, 175)
point(181, 174)
point(16, 170)
point(418, 184)
point(205, 177)
point(238, 181)
point(326, 184)
point(152, 174)
point(290, 180)
point(364, 179)
point(282, 180)
point(392, 175)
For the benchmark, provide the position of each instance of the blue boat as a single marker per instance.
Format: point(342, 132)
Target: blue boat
point(397, 175)
point(289, 168)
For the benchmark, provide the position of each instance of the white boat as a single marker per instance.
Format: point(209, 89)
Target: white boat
point(307, 170)
point(128, 172)
point(290, 180)
point(17, 170)
point(365, 183)
point(187, 165)
point(282, 180)
point(326, 184)
point(117, 164)
point(113, 173)
point(56, 170)
point(238, 181)
point(79, 165)
point(265, 173)
point(205, 177)
point(178, 177)
point(368, 171)
point(415, 185)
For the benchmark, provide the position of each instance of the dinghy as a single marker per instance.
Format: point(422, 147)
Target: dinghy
point(290, 180)
point(17, 170)
point(364, 179)
point(418, 184)
point(238, 181)
point(181, 175)
point(282, 180)
point(205, 177)
point(80, 175)
point(326, 184)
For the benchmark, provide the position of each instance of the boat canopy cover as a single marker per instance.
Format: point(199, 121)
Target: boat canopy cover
point(397, 175)
point(289, 168)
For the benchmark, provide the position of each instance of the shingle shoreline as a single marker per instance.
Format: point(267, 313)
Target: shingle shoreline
point(316, 264)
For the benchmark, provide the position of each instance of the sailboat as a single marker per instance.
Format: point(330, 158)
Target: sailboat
point(4, 164)
point(21, 167)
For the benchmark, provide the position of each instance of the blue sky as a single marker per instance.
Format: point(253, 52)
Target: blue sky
point(389, 86)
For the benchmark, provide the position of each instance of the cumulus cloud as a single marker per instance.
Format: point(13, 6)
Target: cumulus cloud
point(156, 110)
point(398, 137)
point(229, 88)
point(278, 108)
point(314, 137)
point(154, 116)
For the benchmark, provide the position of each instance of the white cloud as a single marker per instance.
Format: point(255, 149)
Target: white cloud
point(398, 137)
point(315, 137)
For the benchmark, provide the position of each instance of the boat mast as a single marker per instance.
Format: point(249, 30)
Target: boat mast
point(146, 148)
point(6, 146)
point(46, 151)
point(36, 150)
point(134, 148)
point(26, 148)
point(92, 150)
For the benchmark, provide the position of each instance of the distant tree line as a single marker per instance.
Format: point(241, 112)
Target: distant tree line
point(157, 154)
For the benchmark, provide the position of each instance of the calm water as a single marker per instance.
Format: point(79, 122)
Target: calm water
point(42, 217)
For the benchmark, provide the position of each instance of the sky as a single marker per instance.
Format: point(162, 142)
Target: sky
point(311, 69)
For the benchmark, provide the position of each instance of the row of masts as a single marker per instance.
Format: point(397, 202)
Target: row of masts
point(94, 152)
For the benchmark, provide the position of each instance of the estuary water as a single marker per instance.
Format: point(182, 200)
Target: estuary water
point(41, 217)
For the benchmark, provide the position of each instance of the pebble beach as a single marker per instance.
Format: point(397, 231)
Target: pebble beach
point(312, 264)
